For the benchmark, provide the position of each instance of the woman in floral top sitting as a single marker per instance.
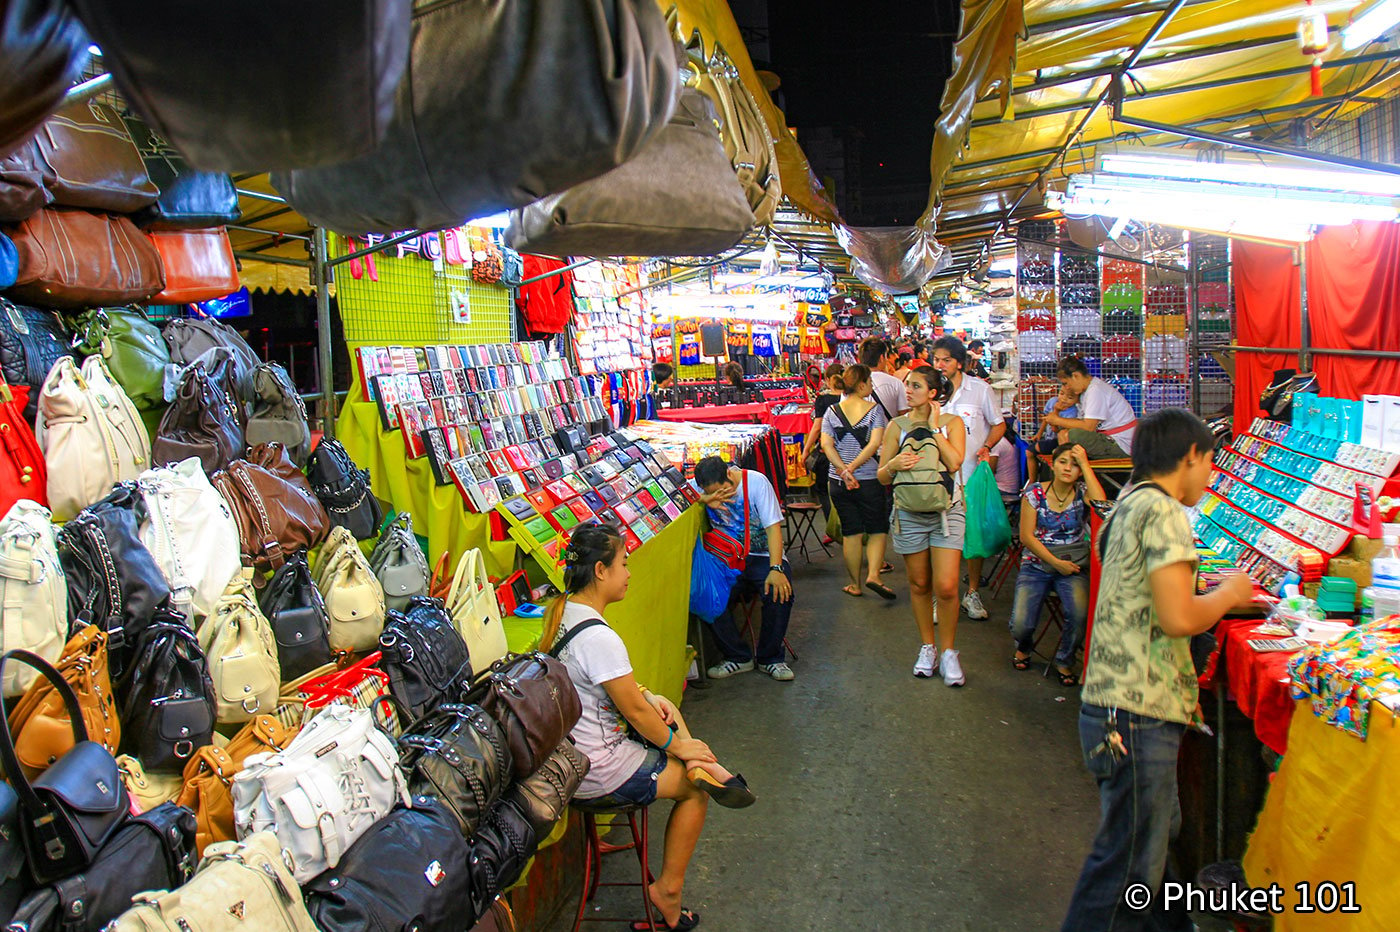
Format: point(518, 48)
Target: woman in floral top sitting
point(1055, 535)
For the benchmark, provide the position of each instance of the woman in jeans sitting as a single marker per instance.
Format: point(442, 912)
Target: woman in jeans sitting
point(851, 435)
point(636, 742)
point(1055, 535)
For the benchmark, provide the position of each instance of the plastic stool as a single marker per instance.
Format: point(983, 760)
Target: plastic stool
point(595, 848)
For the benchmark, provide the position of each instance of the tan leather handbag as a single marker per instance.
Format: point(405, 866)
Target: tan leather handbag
point(148, 790)
point(237, 639)
point(743, 132)
point(91, 161)
point(39, 720)
point(72, 258)
point(273, 506)
point(209, 775)
point(354, 596)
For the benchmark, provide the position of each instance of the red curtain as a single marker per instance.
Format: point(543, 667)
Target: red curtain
point(1353, 303)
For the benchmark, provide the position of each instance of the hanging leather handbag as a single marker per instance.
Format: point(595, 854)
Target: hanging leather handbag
point(399, 563)
point(544, 795)
point(237, 639)
point(677, 197)
point(337, 778)
point(533, 699)
point(39, 720)
point(500, 849)
point(147, 790)
point(743, 131)
point(43, 50)
point(279, 414)
point(22, 191)
point(113, 580)
point(75, 806)
point(150, 851)
point(354, 597)
point(208, 779)
point(272, 505)
point(189, 199)
point(31, 341)
point(73, 258)
point(204, 420)
point(191, 337)
point(560, 92)
point(475, 610)
point(33, 596)
point(344, 490)
point(89, 160)
point(410, 870)
point(424, 656)
point(13, 876)
point(294, 608)
point(132, 347)
point(189, 530)
point(458, 754)
point(166, 696)
point(90, 433)
point(198, 265)
point(235, 880)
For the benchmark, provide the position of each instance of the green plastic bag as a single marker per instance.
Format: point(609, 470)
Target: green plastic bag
point(988, 530)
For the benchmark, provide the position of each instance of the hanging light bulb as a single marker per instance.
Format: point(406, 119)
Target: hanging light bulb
point(770, 261)
point(1312, 40)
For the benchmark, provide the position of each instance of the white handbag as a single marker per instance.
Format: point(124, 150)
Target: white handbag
point(472, 604)
point(191, 533)
point(238, 641)
point(90, 433)
point(33, 594)
point(354, 597)
point(239, 885)
point(399, 564)
point(338, 777)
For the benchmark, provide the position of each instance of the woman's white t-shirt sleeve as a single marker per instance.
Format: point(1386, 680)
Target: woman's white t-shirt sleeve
point(605, 657)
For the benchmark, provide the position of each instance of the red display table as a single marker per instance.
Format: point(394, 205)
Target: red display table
point(1257, 682)
point(718, 414)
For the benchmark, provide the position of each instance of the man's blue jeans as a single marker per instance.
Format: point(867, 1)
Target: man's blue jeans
point(1033, 583)
point(1138, 816)
point(776, 615)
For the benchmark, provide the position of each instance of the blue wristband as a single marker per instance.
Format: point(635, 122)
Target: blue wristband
point(669, 740)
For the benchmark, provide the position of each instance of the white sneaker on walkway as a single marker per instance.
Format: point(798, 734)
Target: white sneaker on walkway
point(927, 664)
point(972, 604)
point(952, 669)
point(730, 667)
point(779, 671)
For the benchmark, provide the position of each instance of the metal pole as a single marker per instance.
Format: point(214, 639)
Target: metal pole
point(272, 234)
point(1304, 328)
point(260, 196)
point(275, 260)
point(1193, 335)
point(320, 276)
point(87, 89)
point(1313, 351)
point(377, 247)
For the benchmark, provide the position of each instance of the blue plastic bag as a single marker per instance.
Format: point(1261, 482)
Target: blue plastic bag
point(988, 530)
point(711, 583)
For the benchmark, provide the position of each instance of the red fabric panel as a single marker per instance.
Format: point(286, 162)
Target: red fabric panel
point(547, 305)
point(1266, 314)
point(1354, 303)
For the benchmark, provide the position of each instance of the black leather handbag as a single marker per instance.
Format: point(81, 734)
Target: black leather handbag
point(544, 795)
point(31, 341)
point(189, 199)
point(151, 851)
point(502, 845)
point(113, 580)
point(73, 808)
point(43, 49)
point(166, 698)
point(13, 880)
point(297, 612)
point(424, 656)
point(458, 754)
point(407, 871)
point(344, 490)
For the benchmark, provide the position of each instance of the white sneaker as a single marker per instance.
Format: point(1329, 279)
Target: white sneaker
point(779, 671)
point(972, 604)
point(927, 664)
point(1005, 346)
point(730, 667)
point(952, 669)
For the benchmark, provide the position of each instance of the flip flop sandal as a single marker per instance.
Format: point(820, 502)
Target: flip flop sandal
point(1067, 679)
point(1020, 663)
point(855, 595)
point(883, 591)
point(733, 793)
point(689, 920)
point(886, 568)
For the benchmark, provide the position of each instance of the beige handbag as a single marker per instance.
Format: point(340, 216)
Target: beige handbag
point(472, 604)
point(239, 885)
point(743, 132)
point(238, 641)
point(190, 532)
point(91, 435)
point(354, 596)
point(148, 790)
point(33, 596)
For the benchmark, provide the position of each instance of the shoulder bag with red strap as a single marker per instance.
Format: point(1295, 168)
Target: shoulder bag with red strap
point(727, 547)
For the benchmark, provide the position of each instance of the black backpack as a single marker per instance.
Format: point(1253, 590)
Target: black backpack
point(297, 612)
point(167, 697)
point(424, 656)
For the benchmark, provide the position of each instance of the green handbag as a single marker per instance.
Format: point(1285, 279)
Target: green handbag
point(132, 347)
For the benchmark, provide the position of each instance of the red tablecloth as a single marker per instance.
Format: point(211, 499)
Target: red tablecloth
point(718, 414)
point(1257, 682)
point(792, 424)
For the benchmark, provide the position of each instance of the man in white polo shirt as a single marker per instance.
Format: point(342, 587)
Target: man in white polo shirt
point(880, 357)
point(1106, 421)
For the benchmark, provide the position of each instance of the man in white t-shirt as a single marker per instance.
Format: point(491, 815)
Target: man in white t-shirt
point(880, 357)
point(1106, 421)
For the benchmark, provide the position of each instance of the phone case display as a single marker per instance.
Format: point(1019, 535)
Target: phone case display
point(612, 330)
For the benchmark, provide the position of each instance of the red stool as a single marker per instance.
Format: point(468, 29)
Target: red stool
point(749, 604)
point(595, 848)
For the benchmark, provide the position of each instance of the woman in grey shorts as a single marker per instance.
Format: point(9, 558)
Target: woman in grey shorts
point(931, 543)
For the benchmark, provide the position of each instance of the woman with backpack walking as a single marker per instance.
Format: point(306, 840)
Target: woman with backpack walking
point(851, 433)
point(921, 455)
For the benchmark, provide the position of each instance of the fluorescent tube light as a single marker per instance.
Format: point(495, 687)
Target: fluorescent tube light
point(1259, 201)
point(1084, 201)
point(1370, 24)
point(1288, 173)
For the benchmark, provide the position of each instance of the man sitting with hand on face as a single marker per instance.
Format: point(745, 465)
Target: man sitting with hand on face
point(724, 489)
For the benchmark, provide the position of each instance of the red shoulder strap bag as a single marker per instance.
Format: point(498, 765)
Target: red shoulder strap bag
point(724, 545)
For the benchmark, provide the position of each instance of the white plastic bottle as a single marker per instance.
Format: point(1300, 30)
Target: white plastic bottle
point(1385, 578)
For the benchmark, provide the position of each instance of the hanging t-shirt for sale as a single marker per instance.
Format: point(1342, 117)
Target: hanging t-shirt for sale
point(1103, 403)
point(689, 349)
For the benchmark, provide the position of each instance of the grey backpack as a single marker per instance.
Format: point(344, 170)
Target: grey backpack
point(399, 563)
point(279, 415)
point(928, 487)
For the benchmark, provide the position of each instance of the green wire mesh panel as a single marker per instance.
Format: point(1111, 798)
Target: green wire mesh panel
point(411, 303)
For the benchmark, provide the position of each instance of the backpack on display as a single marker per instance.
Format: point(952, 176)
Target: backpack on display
point(399, 563)
point(237, 639)
point(279, 414)
point(31, 341)
point(928, 487)
point(354, 597)
point(205, 420)
point(192, 337)
point(424, 656)
point(344, 490)
point(33, 595)
point(167, 698)
point(272, 505)
point(189, 530)
point(293, 606)
point(91, 435)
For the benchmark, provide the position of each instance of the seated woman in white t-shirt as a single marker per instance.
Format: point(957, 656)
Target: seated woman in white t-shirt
point(1106, 421)
point(637, 744)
